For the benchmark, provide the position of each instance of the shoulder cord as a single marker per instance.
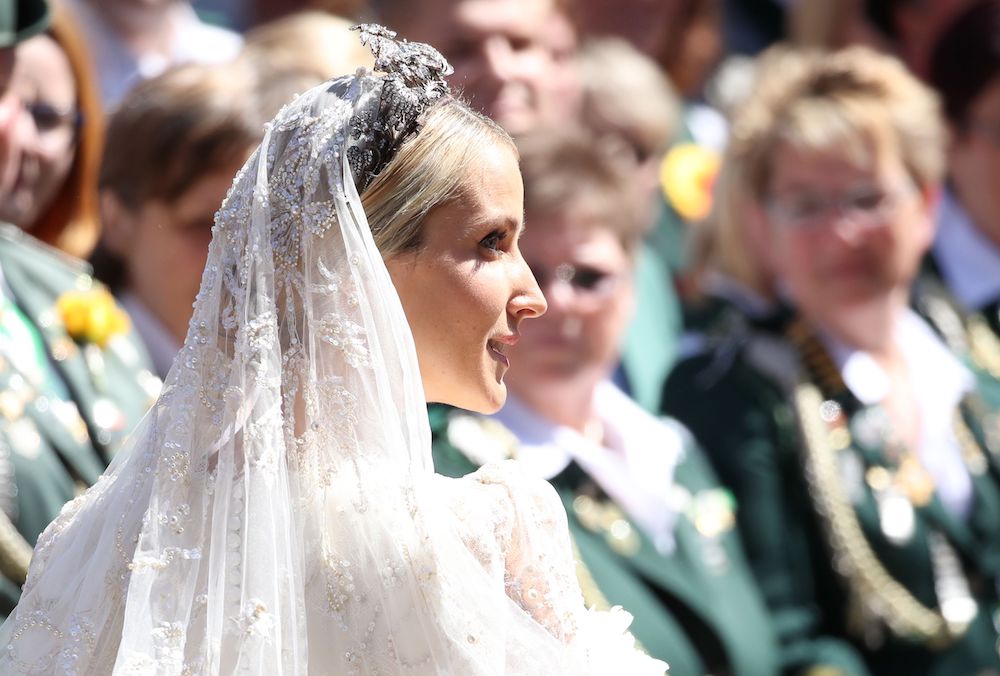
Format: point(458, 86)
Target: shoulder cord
point(880, 593)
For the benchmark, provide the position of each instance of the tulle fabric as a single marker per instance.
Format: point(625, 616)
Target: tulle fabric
point(276, 512)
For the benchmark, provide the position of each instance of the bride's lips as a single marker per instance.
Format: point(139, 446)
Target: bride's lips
point(497, 346)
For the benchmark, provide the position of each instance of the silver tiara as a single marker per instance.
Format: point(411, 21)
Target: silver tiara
point(413, 81)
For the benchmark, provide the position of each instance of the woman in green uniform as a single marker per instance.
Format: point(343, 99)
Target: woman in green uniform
point(861, 447)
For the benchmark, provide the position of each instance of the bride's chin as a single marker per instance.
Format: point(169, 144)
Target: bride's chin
point(490, 401)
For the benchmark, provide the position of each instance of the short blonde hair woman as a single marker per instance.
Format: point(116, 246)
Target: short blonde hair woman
point(857, 442)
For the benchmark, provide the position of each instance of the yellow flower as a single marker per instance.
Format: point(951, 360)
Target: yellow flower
point(92, 316)
point(687, 175)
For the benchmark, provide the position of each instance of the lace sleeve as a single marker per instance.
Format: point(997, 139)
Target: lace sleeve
point(540, 576)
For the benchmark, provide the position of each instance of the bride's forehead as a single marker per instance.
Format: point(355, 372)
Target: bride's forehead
point(491, 175)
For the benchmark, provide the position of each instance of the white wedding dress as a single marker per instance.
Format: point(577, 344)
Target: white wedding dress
point(277, 512)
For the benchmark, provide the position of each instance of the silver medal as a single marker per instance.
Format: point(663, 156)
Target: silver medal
point(896, 516)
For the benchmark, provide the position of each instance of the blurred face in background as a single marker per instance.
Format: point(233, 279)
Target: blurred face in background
point(586, 275)
point(164, 245)
point(843, 237)
point(974, 161)
point(45, 130)
point(10, 114)
point(509, 56)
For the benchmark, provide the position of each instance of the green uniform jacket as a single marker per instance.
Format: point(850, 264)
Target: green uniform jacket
point(735, 398)
point(56, 436)
point(698, 608)
point(930, 284)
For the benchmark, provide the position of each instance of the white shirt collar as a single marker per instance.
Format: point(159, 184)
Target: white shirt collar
point(969, 260)
point(932, 365)
point(637, 474)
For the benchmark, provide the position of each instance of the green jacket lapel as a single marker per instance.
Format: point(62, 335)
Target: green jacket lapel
point(37, 283)
point(668, 572)
point(77, 453)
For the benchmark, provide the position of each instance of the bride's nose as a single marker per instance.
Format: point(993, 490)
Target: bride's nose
point(526, 299)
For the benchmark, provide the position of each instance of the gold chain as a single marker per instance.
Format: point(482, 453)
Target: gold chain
point(592, 595)
point(854, 557)
point(983, 344)
point(15, 552)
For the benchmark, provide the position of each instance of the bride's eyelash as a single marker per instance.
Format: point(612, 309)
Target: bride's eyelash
point(493, 241)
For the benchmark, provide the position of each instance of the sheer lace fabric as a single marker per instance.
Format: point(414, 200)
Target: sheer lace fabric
point(276, 512)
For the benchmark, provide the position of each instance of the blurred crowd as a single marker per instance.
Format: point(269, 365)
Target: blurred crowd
point(767, 386)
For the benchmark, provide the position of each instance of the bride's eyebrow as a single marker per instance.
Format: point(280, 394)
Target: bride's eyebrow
point(498, 222)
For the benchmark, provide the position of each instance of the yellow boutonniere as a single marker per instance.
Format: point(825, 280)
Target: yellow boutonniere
point(687, 175)
point(92, 316)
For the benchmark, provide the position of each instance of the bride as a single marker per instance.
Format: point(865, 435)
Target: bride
point(277, 511)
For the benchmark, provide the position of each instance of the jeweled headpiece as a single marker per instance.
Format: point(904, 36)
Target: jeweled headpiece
point(413, 81)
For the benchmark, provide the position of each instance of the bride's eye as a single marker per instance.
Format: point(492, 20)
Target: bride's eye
point(493, 241)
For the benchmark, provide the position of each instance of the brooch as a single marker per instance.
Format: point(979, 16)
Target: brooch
point(92, 316)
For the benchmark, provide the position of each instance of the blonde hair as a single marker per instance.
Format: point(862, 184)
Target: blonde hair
point(426, 173)
point(853, 101)
point(721, 243)
point(565, 171)
point(193, 120)
point(312, 44)
point(626, 93)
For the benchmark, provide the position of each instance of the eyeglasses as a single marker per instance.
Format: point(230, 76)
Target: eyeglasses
point(585, 281)
point(865, 206)
point(49, 118)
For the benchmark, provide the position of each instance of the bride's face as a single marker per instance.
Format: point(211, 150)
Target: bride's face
point(466, 290)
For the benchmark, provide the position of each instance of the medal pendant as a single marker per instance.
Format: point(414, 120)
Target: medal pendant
point(896, 516)
point(712, 512)
point(958, 607)
point(607, 519)
point(915, 481)
point(24, 438)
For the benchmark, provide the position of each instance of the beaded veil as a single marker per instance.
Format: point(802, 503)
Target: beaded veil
point(277, 512)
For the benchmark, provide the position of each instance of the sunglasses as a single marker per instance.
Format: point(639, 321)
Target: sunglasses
point(49, 118)
point(585, 280)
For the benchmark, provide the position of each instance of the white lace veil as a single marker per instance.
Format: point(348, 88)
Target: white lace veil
point(276, 512)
